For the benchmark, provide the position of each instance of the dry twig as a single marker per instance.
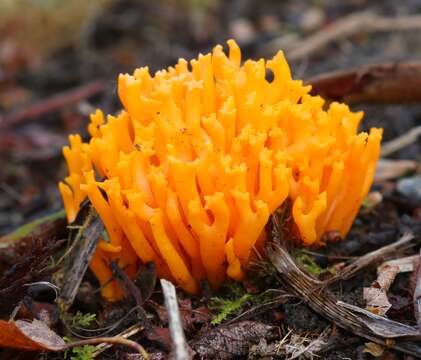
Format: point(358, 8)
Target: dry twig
point(368, 259)
point(115, 340)
point(133, 330)
point(402, 141)
point(355, 23)
point(388, 169)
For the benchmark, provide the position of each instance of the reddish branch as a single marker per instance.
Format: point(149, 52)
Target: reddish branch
point(385, 83)
point(51, 104)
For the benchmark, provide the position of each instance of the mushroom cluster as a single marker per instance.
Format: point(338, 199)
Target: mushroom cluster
point(188, 173)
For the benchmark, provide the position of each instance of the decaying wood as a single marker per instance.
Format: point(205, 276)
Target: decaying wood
point(77, 258)
point(401, 141)
point(381, 83)
point(368, 259)
point(180, 348)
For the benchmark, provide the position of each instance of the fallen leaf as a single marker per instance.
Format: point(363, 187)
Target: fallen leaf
point(377, 301)
point(189, 316)
point(405, 264)
point(31, 336)
point(376, 295)
point(231, 341)
point(374, 349)
point(159, 334)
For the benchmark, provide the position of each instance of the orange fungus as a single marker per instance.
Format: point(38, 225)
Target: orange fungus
point(200, 156)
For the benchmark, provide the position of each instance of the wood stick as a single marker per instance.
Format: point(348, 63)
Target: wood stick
point(355, 23)
point(363, 261)
point(176, 326)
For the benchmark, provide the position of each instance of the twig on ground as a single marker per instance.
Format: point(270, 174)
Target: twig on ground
point(115, 340)
point(260, 308)
point(133, 330)
point(53, 103)
point(368, 259)
point(402, 141)
point(180, 350)
point(388, 169)
point(355, 23)
point(381, 83)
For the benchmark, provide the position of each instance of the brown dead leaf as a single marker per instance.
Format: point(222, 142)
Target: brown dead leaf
point(376, 295)
point(31, 336)
point(374, 349)
point(189, 316)
point(160, 335)
point(231, 341)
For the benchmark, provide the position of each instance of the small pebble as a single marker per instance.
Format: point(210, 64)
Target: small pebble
point(410, 187)
point(312, 19)
point(242, 30)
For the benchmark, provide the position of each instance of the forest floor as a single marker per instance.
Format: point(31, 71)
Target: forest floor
point(52, 77)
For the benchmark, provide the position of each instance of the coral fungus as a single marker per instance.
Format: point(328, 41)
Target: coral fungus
point(187, 174)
